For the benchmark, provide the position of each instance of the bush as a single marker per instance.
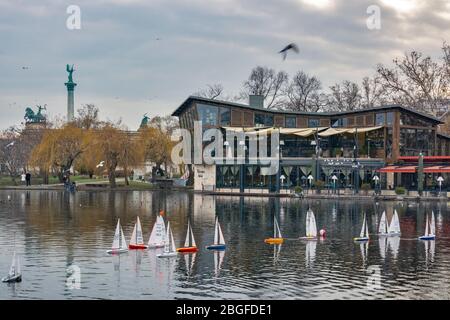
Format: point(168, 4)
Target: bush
point(319, 184)
point(298, 189)
point(366, 187)
point(400, 190)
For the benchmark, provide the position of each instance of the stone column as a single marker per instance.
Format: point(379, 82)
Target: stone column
point(70, 100)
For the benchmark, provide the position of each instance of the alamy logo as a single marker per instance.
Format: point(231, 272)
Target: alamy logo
point(73, 22)
point(373, 22)
point(374, 279)
point(73, 280)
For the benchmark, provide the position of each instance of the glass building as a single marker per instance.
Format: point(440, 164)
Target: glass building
point(342, 149)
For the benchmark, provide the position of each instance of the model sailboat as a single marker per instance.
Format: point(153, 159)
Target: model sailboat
point(156, 239)
point(277, 237)
point(14, 274)
point(383, 226)
point(169, 244)
point(364, 234)
point(219, 241)
point(430, 229)
point(119, 244)
point(137, 241)
point(394, 226)
point(311, 227)
point(189, 244)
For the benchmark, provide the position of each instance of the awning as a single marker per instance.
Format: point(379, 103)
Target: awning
point(437, 169)
point(398, 169)
point(335, 131)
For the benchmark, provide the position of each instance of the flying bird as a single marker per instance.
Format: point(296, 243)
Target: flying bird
point(101, 164)
point(10, 144)
point(25, 68)
point(291, 46)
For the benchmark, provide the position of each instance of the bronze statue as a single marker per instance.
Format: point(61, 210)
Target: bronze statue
point(144, 121)
point(31, 117)
point(70, 71)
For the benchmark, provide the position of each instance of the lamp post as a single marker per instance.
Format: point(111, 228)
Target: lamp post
point(310, 180)
point(316, 143)
point(242, 168)
point(368, 147)
point(334, 178)
point(376, 179)
point(280, 155)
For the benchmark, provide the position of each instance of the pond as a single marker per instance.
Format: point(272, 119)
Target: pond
point(54, 232)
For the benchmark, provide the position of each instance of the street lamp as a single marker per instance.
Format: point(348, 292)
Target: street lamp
point(376, 179)
point(368, 147)
point(440, 180)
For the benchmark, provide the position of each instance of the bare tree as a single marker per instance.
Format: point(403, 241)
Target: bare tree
point(345, 96)
point(417, 81)
point(13, 153)
point(268, 83)
point(213, 91)
point(303, 93)
point(88, 117)
point(372, 92)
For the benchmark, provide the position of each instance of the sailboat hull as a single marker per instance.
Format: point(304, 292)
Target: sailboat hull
point(137, 247)
point(9, 279)
point(167, 255)
point(187, 249)
point(216, 247)
point(363, 239)
point(427, 238)
point(117, 251)
point(274, 240)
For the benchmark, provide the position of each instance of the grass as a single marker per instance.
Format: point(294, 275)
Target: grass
point(6, 181)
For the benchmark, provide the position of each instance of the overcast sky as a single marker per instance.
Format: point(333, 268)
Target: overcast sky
point(122, 68)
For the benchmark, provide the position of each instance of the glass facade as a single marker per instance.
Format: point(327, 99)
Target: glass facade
point(339, 123)
point(262, 119)
point(313, 123)
point(208, 114)
point(414, 141)
point(291, 122)
point(380, 119)
point(225, 116)
point(389, 118)
point(412, 120)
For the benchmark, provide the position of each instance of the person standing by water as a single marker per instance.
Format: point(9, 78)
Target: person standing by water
point(28, 178)
point(23, 178)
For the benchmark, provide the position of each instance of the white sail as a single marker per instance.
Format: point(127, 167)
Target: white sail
point(311, 227)
point(382, 229)
point(221, 238)
point(367, 230)
point(172, 246)
point(13, 269)
point(394, 226)
point(427, 222)
point(363, 228)
point(216, 231)
point(123, 242)
point(193, 239)
point(432, 225)
point(190, 241)
point(116, 241)
point(136, 236)
point(158, 232)
point(167, 239)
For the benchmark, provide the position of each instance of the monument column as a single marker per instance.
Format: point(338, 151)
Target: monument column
point(70, 97)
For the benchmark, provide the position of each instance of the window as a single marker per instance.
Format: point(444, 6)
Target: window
point(390, 118)
point(338, 123)
point(263, 120)
point(291, 122)
point(225, 116)
point(313, 123)
point(207, 114)
point(413, 120)
point(380, 119)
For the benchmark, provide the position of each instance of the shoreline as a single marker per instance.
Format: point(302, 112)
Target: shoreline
point(87, 188)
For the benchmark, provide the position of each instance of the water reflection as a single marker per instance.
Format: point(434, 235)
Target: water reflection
point(55, 230)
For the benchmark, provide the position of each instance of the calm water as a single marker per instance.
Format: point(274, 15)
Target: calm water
point(54, 230)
